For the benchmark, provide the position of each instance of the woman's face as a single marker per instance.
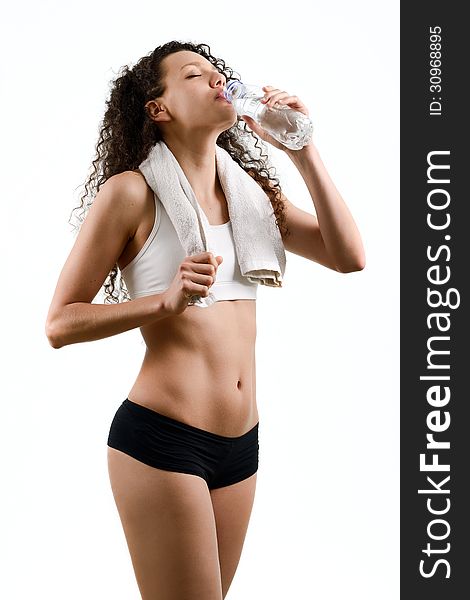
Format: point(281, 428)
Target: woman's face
point(189, 101)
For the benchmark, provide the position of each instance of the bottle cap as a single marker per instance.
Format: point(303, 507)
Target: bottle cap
point(231, 89)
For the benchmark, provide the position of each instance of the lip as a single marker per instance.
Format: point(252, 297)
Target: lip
point(221, 96)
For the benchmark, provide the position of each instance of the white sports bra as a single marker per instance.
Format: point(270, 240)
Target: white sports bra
point(152, 270)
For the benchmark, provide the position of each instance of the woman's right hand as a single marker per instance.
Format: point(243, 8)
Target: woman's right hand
point(195, 276)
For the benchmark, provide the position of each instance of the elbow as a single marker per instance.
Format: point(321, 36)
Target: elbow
point(357, 265)
point(53, 335)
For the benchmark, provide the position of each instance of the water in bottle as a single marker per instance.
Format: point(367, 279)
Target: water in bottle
point(290, 127)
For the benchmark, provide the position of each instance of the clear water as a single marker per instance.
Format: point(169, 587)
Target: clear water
point(290, 127)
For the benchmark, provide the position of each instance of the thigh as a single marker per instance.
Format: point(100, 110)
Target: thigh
point(232, 493)
point(232, 510)
point(169, 525)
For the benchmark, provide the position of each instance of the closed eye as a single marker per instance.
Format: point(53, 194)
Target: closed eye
point(189, 76)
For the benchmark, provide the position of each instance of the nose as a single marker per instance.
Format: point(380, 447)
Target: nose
point(220, 78)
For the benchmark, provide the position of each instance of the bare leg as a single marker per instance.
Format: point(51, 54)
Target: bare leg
point(169, 524)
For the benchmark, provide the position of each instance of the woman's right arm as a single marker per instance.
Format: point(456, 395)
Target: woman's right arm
point(111, 221)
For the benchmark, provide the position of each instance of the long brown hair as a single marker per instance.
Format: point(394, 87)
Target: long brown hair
point(127, 133)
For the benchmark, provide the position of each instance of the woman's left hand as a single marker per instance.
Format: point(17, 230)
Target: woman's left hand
point(271, 97)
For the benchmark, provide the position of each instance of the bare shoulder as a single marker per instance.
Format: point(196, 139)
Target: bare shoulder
point(129, 184)
point(131, 193)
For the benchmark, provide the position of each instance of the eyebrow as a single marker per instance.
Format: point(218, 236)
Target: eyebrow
point(197, 65)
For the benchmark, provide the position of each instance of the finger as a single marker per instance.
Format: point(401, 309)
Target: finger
point(253, 125)
point(210, 259)
point(292, 100)
point(197, 289)
point(202, 257)
point(275, 97)
point(296, 104)
point(214, 262)
point(202, 279)
point(251, 122)
point(203, 268)
point(268, 89)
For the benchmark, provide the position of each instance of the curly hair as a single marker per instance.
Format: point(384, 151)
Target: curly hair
point(127, 133)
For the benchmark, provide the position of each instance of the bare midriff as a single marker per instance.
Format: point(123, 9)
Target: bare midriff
point(199, 367)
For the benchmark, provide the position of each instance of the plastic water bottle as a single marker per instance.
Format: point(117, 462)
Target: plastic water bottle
point(290, 127)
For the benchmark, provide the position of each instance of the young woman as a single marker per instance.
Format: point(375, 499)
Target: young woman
point(183, 446)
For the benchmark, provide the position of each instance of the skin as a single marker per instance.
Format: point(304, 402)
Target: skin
point(199, 368)
point(185, 540)
point(200, 363)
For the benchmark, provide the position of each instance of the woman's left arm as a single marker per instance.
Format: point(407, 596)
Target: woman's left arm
point(336, 226)
point(330, 238)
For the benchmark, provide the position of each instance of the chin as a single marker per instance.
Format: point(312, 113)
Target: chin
point(227, 124)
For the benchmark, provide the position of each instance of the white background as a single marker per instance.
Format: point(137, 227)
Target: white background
point(325, 522)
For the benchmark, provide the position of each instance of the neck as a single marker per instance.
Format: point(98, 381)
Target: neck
point(198, 162)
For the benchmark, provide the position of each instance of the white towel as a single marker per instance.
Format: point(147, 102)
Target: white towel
point(258, 243)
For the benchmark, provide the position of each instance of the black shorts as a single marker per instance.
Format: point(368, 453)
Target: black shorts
point(160, 441)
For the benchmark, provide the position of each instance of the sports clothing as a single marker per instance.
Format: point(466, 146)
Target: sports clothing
point(166, 443)
point(155, 266)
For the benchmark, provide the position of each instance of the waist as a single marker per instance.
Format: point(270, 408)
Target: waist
point(200, 367)
point(203, 352)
